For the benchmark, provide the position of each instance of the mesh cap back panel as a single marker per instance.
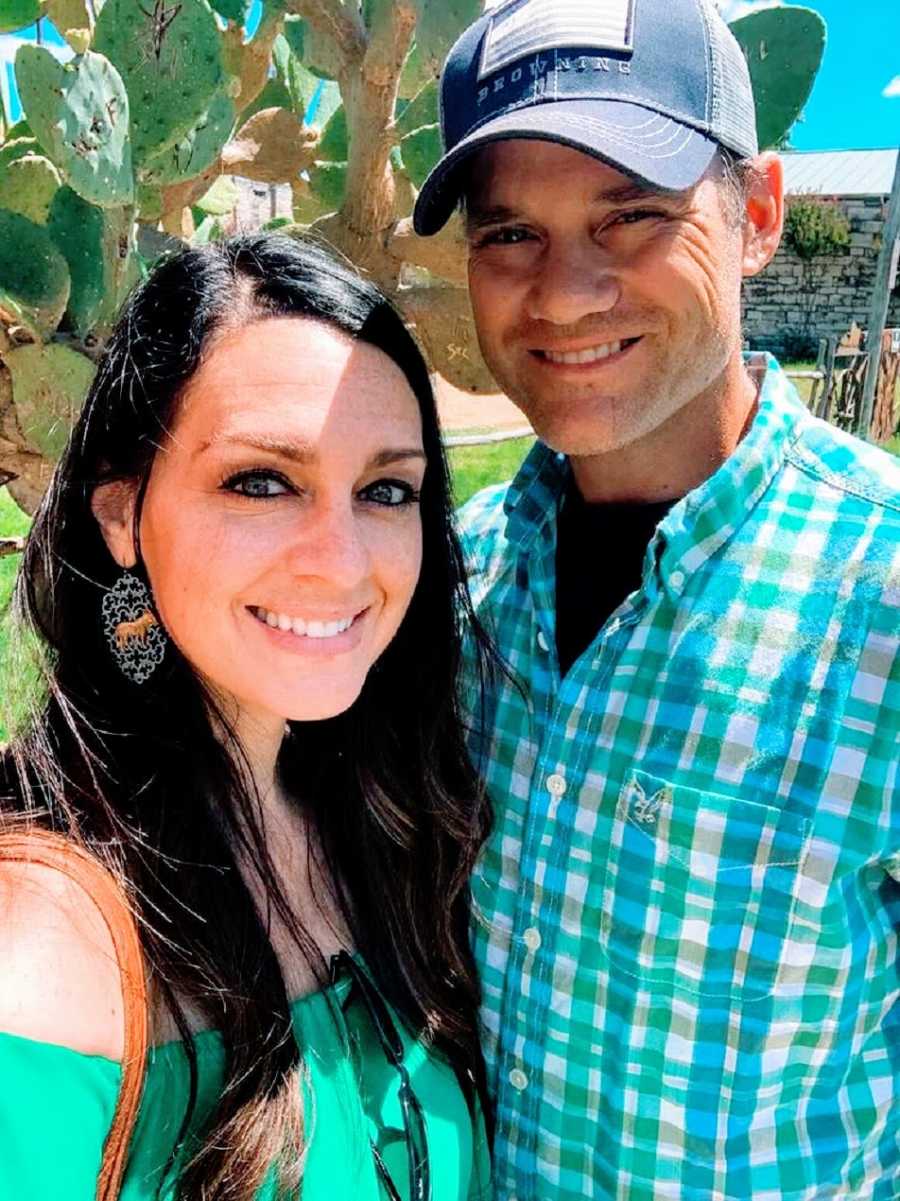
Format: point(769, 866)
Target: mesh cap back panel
point(732, 112)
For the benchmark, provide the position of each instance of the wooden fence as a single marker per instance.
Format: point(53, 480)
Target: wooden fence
point(844, 364)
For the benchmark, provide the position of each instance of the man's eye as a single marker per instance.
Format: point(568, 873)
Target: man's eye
point(391, 493)
point(635, 215)
point(260, 485)
point(509, 236)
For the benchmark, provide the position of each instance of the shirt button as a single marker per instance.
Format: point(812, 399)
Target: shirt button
point(542, 641)
point(676, 579)
point(532, 939)
point(518, 1079)
point(556, 784)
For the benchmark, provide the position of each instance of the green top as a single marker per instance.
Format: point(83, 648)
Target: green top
point(56, 1107)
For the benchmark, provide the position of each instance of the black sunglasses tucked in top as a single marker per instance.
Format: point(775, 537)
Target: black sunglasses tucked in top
point(391, 1044)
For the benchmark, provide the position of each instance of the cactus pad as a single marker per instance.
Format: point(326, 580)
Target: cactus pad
point(170, 59)
point(93, 242)
point(18, 14)
point(197, 150)
point(34, 278)
point(70, 16)
point(446, 328)
point(232, 10)
point(49, 386)
point(421, 110)
point(421, 150)
point(28, 185)
point(438, 25)
point(21, 129)
point(335, 144)
point(79, 113)
point(328, 183)
point(299, 84)
point(15, 148)
point(317, 51)
point(783, 48)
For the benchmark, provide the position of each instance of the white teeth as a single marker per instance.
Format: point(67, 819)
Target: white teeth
point(592, 355)
point(302, 628)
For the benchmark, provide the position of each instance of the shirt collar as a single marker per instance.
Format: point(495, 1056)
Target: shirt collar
point(704, 520)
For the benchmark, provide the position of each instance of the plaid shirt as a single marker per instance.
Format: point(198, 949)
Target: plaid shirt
point(686, 919)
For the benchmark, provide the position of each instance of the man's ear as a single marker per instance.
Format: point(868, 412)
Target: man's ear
point(113, 507)
point(763, 213)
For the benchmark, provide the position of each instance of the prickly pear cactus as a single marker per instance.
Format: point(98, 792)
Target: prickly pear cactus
point(18, 14)
point(74, 19)
point(170, 60)
point(34, 278)
point(438, 26)
point(28, 185)
point(96, 244)
point(197, 150)
point(79, 113)
point(49, 385)
point(784, 49)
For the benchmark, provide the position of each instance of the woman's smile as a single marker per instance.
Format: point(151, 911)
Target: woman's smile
point(299, 636)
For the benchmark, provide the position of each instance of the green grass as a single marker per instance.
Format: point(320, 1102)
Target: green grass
point(13, 523)
point(474, 467)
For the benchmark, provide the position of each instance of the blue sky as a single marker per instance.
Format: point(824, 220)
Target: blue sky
point(851, 106)
point(856, 101)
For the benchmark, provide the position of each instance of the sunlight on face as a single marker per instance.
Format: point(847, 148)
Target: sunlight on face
point(281, 531)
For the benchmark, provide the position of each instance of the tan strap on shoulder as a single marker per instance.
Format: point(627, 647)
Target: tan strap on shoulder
point(53, 850)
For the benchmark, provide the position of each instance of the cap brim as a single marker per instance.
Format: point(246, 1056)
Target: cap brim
point(654, 149)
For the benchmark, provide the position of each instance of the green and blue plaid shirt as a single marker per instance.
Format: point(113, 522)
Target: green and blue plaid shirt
point(687, 916)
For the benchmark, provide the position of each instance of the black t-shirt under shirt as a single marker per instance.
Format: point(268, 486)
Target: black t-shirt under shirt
point(599, 561)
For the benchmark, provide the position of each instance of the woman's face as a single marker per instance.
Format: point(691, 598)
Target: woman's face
point(281, 531)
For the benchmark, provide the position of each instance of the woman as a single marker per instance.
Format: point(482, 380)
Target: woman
point(246, 580)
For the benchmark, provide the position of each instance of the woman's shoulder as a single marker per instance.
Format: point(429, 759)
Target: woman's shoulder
point(59, 976)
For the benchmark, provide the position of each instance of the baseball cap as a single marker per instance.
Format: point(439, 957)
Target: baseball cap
point(651, 87)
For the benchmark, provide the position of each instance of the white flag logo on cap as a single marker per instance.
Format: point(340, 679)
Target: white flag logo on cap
point(525, 27)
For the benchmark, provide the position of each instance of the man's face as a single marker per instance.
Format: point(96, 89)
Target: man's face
point(603, 309)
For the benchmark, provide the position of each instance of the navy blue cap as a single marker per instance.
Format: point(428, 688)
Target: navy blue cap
point(651, 87)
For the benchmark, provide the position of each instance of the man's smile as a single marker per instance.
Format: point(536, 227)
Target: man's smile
point(589, 356)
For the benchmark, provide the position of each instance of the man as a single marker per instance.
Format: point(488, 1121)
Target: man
point(686, 917)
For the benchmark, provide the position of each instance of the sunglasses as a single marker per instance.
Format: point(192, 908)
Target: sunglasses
point(392, 1046)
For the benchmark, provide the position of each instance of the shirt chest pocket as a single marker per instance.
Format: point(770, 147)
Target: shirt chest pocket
point(698, 890)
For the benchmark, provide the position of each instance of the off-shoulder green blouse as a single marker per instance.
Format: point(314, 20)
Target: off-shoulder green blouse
point(56, 1107)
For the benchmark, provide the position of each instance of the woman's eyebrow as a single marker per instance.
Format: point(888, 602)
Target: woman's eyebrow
point(298, 451)
point(288, 448)
point(385, 457)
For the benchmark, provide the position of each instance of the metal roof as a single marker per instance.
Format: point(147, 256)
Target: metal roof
point(839, 172)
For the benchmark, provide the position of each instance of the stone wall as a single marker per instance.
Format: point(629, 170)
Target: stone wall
point(790, 305)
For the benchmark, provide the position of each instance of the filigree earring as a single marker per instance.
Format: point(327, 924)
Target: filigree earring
point(135, 637)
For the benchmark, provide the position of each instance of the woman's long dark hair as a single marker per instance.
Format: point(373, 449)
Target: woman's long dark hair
point(140, 776)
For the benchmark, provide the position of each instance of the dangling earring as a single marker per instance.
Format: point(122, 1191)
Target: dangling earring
point(135, 637)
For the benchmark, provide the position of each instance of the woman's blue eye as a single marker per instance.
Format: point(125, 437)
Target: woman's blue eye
point(390, 493)
point(257, 484)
